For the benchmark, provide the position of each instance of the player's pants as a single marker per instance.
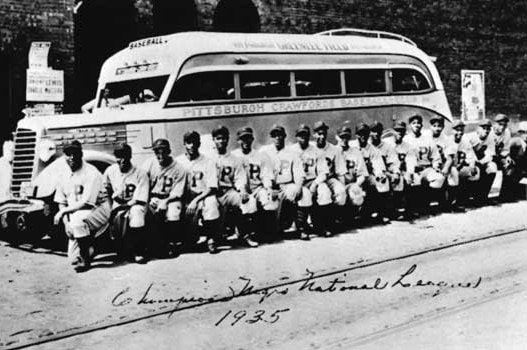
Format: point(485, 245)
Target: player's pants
point(433, 178)
point(355, 194)
point(338, 191)
point(172, 210)
point(83, 224)
point(322, 195)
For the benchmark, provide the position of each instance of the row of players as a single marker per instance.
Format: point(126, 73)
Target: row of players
point(175, 198)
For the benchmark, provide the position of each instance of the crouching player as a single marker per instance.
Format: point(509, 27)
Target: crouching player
point(259, 183)
point(502, 139)
point(77, 195)
point(447, 153)
point(428, 177)
point(336, 172)
point(167, 184)
point(464, 161)
point(232, 190)
point(377, 184)
point(202, 187)
point(485, 149)
point(127, 190)
point(356, 174)
point(407, 161)
point(287, 179)
point(315, 188)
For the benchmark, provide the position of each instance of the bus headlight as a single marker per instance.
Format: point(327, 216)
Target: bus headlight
point(46, 150)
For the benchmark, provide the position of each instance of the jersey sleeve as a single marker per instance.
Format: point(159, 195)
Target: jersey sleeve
point(340, 164)
point(60, 196)
point(181, 179)
point(211, 174)
point(240, 175)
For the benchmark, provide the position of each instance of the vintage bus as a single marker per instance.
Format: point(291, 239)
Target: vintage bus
point(165, 86)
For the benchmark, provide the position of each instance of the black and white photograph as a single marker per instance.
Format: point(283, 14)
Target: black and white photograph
point(263, 174)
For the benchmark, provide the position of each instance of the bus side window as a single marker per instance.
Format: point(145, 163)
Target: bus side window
point(265, 84)
point(362, 81)
point(206, 86)
point(404, 80)
point(316, 83)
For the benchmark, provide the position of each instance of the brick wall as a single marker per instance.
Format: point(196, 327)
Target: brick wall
point(463, 34)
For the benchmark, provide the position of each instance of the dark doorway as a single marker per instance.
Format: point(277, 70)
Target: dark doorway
point(102, 28)
point(236, 16)
point(174, 16)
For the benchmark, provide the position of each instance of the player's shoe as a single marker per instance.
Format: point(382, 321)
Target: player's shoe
point(249, 242)
point(211, 246)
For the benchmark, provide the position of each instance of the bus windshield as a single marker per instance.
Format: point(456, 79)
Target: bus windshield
point(132, 91)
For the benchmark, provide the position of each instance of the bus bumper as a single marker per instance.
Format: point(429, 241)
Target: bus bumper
point(21, 216)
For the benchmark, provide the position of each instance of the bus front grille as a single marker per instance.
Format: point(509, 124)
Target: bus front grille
point(23, 159)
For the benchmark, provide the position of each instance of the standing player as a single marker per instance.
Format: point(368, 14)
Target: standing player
point(202, 185)
point(337, 170)
point(485, 149)
point(314, 187)
point(427, 169)
point(447, 153)
point(356, 172)
point(127, 189)
point(77, 194)
point(377, 183)
point(288, 178)
point(167, 185)
point(259, 182)
point(232, 190)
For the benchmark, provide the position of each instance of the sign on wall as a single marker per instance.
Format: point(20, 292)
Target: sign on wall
point(472, 95)
point(45, 85)
point(38, 55)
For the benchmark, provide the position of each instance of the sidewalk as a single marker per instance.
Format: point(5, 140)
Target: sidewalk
point(42, 296)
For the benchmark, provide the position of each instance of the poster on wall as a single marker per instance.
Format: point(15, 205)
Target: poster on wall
point(472, 95)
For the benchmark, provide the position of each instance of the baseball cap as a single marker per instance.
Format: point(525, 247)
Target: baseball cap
point(245, 131)
point(277, 129)
point(458, 123)
point(522, 127)
point(415, 116)
point(161, 143)
point(122, 150)
point(399, 125)
point(362, 127)
point(302, 129)
point(344, 131)
point(500, 117)
point(220, 130)
point(320, 125)
point(436, 118)
point(485, 122)
point(191, 137)
point(73, 146)
point(376, 127)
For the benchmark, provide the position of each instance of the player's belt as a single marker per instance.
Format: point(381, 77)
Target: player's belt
point(159, 195)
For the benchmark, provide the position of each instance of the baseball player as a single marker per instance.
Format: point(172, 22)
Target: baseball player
point(259, 180)
point(232, 189)
point(287, 178)
point(447, 153)
point(407, 162)
point(314, 187)
point(127, 189)
point(77, 195)
point(502, 139)
point(337, 171)
point(168, 179)
point(428, 176)
point(202, 187)
point(485, 149)
point(356, 173)
point(389, 156)
point(377, 183)
point(464, 161)
point(519, 151)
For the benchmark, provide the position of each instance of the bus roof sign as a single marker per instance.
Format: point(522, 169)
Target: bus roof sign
point(158, 40)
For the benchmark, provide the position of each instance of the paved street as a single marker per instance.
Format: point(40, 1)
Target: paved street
point(368, 288)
